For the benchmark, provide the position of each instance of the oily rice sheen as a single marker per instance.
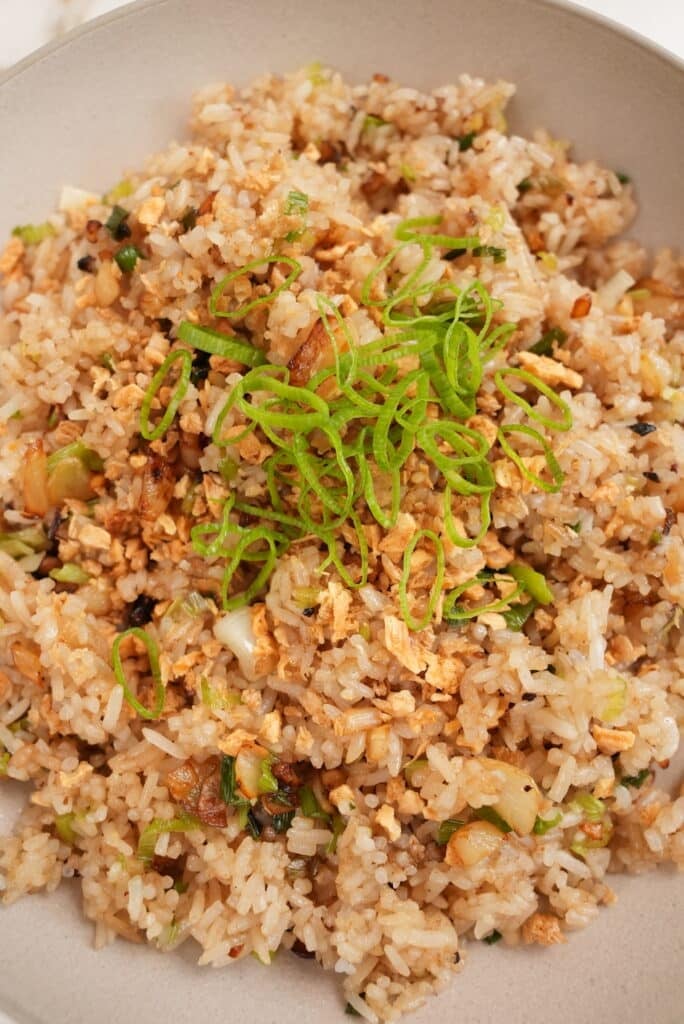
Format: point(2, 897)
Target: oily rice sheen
point(341, 561)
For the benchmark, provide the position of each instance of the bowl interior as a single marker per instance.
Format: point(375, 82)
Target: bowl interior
point(116, 91)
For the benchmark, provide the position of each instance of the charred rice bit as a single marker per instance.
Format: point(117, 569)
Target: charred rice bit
point(299, 769)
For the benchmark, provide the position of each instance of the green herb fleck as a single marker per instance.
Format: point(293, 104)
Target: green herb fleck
point(544, 825)
point(623, 178)
point(465, 142)
point(116, 223)
point(447, 829)
point(180, 886)
point(108, 362)
point(64, 826)
point(493, 817)
point(351, 1011)
point(310, 806)
point(592, 808)
point(4, 763)
point(33, 234)
point(70, 573)
point(127, 257)
point(373, 121)
point(120, 191)
point(544, 347)
point(296, 202)
point(493, 937)
point(524, 186)
point(636, 781)
point(517, 615)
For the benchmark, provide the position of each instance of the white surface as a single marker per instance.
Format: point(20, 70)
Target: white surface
point(27, 24)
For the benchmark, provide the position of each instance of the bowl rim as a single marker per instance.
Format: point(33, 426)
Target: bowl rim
point(574, 10)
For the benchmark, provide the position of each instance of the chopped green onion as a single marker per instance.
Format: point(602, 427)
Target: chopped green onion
point(373, 121)
point(636, 781)
point(419, 764)
point(310, 806)
point(180, 886)
point(228, 469)
point(592, 808)
point(436, 589)
point(217, 700)
point(565, 421)
point(281, 822)
point(408, 174)
point(127, 257)
point(532, 582)
point(465, 141)
point(557, 475)
point(120, 191)
point(151, 832)
point(623, 178)
point(524, 186)
point(351, 1011)
point(108, 362)
point(64, 826)
point(316, 73)
point(116, 223)
point(152, 649)
point(517, 615)
point(492, 938)
point(214, 342)
point(24, 542)
point(582, 845)
point(149, 432)
point(255, 265)
point(338, 825)
point(493, 817)
point(617, 701)
point(4, 763)
point(34, 234)
point(447, 829)
point(296, 202)
point(70, 573)
point(544, 347)
point(76, 450)
point(267, 782)
point(544, 825)
point(454, 613)
point(228, 782)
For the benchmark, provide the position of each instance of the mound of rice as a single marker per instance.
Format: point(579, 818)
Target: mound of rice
point(585, 701)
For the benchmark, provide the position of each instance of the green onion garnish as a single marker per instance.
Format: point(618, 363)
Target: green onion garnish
point(493, 817)
point(23, 542)
point(447, 829)
point(592, 808)
point(517, 615)
point(4, 763)
point(544, 347)
point(411, 621)
point(267, 782)
point(149, 432)
point(623, 178)
point(64, 827)
point(465, 141)
point(127, 258)
point(636, 781)
point(116, 224)
point(151, 832)
point(70, 573)
point(373, 121)
point(532, 582)
point(34, 234)
point(76, 450)
point(524, 186)
point(310, 806)
point(255, 265)
point(492, 938)
point(189, 219)
point(215, 343)
point(296, 202)
point(544, 825)
point(152, 649)
point(120, 191)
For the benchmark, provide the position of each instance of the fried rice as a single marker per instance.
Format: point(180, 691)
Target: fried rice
point(305, 768)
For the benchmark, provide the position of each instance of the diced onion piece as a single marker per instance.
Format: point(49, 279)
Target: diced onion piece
point(520, 800)
point(35, 481)
point(472, 843)
point(248, 770)
point(234, 630)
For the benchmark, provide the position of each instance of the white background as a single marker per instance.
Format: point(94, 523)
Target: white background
point(27, 24)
